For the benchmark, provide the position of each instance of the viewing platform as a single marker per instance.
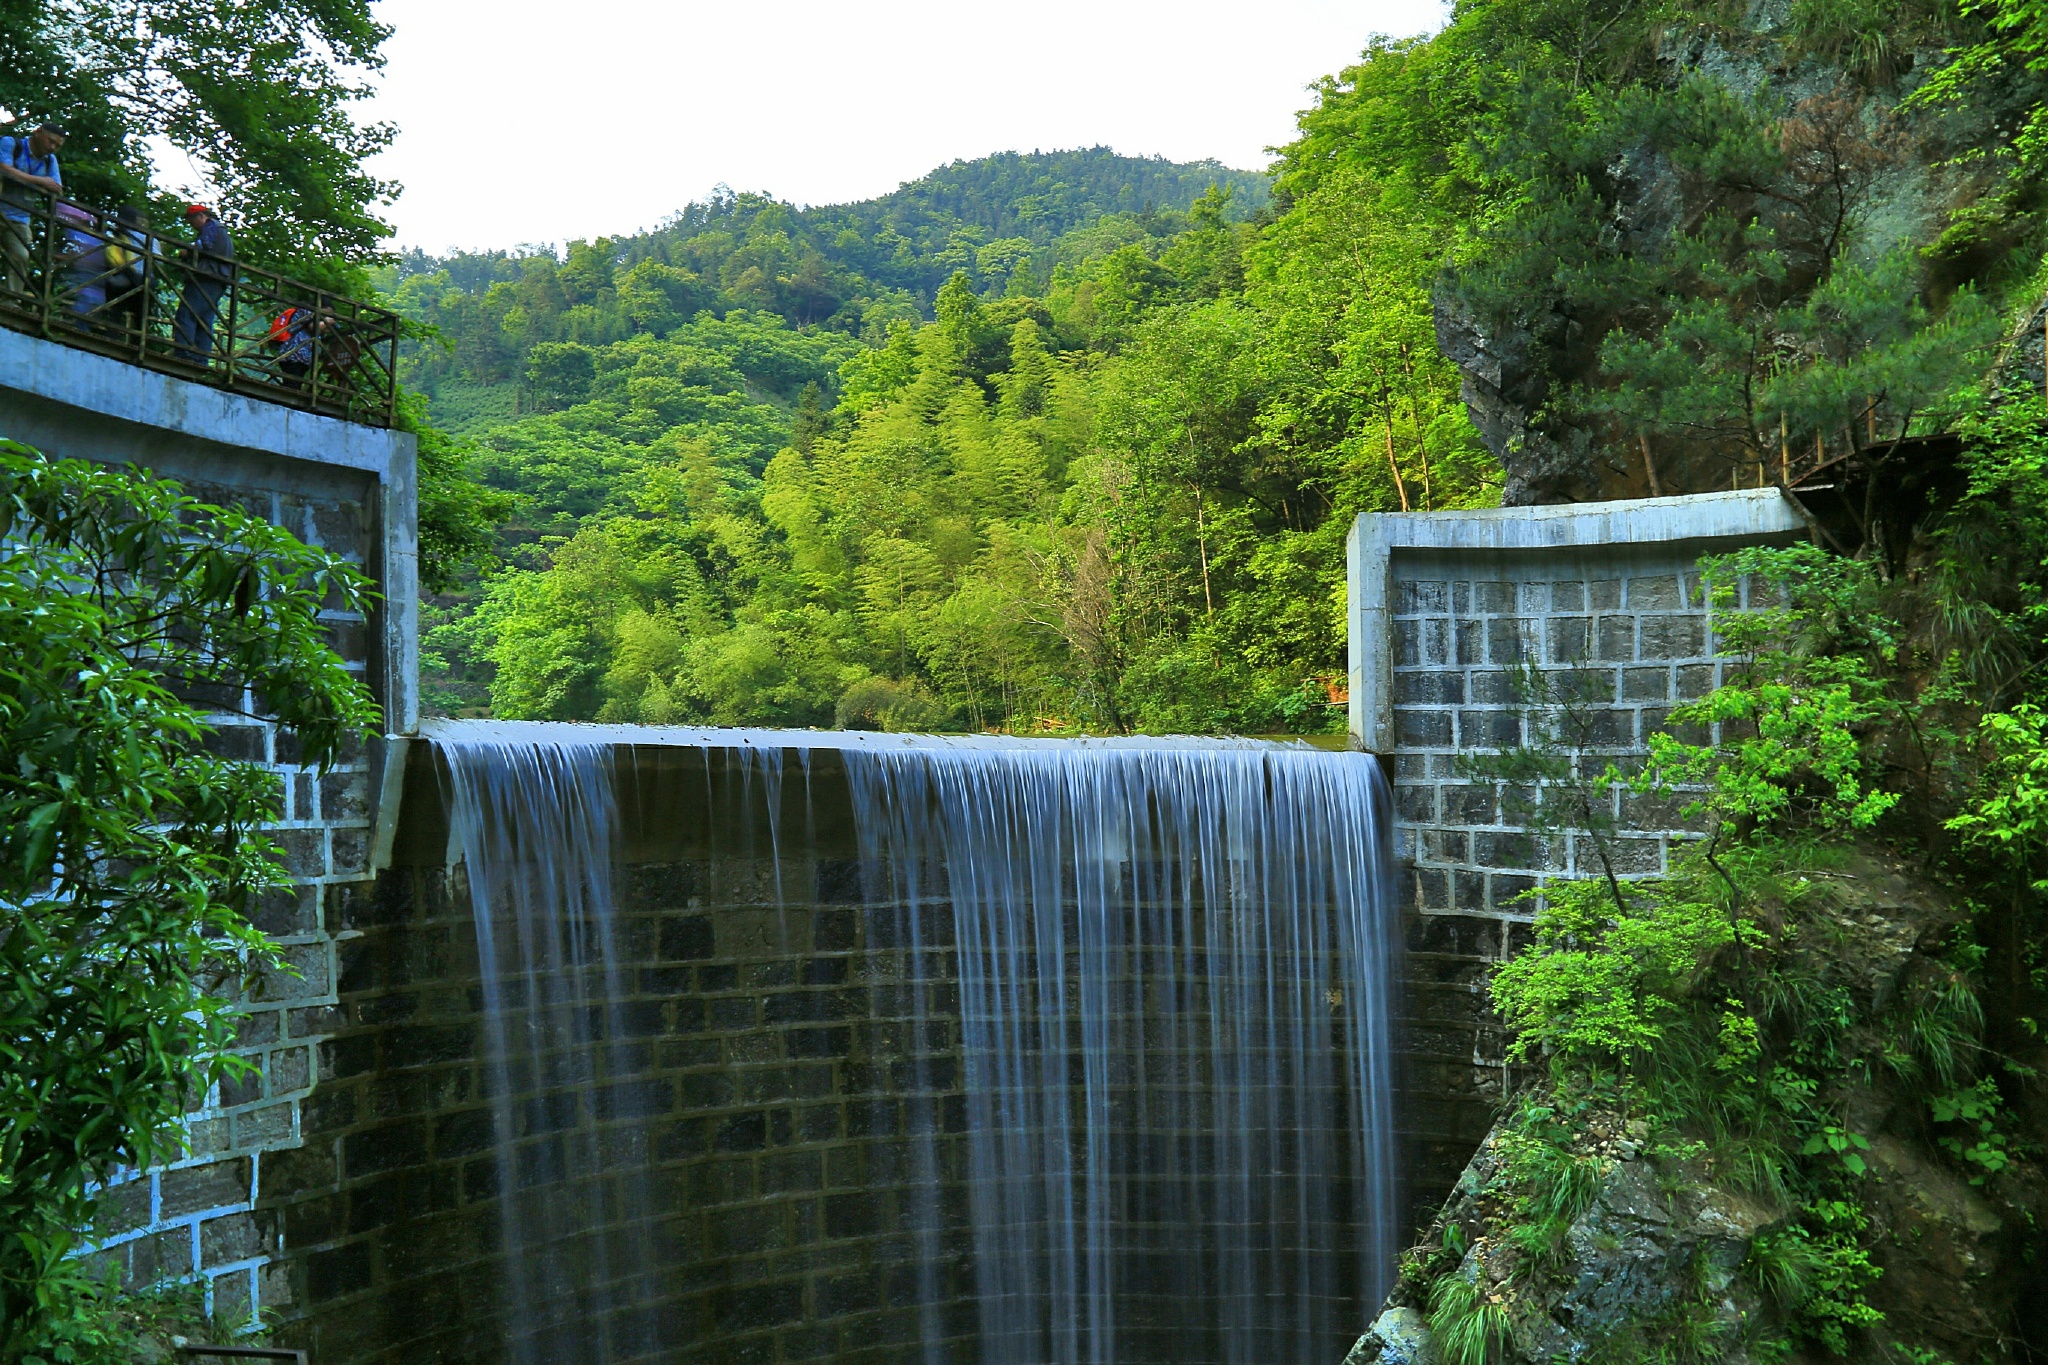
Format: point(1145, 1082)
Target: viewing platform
point(122, 290)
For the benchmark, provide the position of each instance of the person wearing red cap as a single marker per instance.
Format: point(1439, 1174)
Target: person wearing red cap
point(210, 270)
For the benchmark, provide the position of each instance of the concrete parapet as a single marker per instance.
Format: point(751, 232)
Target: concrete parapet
point(352, 488)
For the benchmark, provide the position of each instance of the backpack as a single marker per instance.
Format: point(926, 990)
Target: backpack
point(284, 327)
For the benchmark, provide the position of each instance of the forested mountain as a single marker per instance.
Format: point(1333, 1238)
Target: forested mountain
point(876, 464)
point(846, 267)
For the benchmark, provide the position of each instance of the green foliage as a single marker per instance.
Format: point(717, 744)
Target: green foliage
point(1713, 1002)
point(1600, 985)
point(1803, 695)
point(1466, 1327)
point(2008, 818)
point(1975, 1138)
point(1922, 1355)
point(1640, 1020)
point(96, 1322)
point(1753, 360)
point(1818, 1273)
point(1784, 1265)
point(884, 704)
point(999, 222)
point(1986, 597)
point(1836, 1143)
point(1842, 1269)
point(1650, 245)
point(261, 97)
point(129, 855)
point(1076, 462)
point(1108, 494)
point(458, 516)
point(1998, 66)
point(1552, 1185)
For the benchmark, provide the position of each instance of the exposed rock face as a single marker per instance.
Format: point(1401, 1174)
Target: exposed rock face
point(1902, 184)
point(1504, 378)
point(2021, 371)
point(1656, 1236)
point(1662, 1237)
point(1399, 1336)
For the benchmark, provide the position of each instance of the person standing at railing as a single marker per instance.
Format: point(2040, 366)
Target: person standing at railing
point(128, 247)
point(293, 335)
point(211, 270)
point(29, 173)
point(84, 259)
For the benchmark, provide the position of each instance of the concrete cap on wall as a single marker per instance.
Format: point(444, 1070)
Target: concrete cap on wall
point(1712, 521)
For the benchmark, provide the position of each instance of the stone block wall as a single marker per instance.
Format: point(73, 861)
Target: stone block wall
point(781, 1066)
point(793, 1106)
point(782, 1185)
point(1481, 664)
point(195, 1216)
point(1474, 632)
point(349, 489)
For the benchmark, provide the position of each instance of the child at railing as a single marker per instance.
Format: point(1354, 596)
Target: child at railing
point(84, 259)
point(128, 248)
point(300, 335)
point(292, 334)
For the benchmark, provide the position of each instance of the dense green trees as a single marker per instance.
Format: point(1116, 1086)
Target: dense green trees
point(1671, 247)
point(1105, 486)
point(1007, 221)
point(259, 96)
point(1716, 233)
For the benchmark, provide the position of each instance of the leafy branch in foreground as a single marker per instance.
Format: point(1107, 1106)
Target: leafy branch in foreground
point(129, 856)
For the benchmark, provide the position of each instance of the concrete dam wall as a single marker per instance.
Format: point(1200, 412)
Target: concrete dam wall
point(812, 1115)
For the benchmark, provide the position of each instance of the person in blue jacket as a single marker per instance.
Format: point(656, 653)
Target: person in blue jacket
point(207, 277)
point(29, 174)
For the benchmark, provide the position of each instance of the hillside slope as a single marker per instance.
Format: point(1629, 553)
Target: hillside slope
point(1007, 220)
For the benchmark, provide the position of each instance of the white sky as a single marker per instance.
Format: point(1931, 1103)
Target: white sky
point(529, 122)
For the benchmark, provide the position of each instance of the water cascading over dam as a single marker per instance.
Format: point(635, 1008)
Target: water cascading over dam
point(1126, 1089)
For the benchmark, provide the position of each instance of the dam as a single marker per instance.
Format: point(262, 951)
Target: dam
point(635, 1043)
point(786, 1045)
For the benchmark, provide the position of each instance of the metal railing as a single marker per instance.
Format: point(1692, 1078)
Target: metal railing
point(80, 277)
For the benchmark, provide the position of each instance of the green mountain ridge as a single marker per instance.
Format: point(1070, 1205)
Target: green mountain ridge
point(854, 266)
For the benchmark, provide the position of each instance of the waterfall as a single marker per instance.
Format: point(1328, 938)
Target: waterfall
point(1164, 967)
point(535, 826)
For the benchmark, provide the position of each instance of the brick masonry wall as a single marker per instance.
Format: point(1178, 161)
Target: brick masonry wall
point(783, 1072)
point(196, 1217)
point(777, 1048)
point(1484, 646)
point(1478, 651)
point(780, 1185)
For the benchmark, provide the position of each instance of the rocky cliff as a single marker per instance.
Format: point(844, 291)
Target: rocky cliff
point(1844, 167)
point(1670, 1252)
